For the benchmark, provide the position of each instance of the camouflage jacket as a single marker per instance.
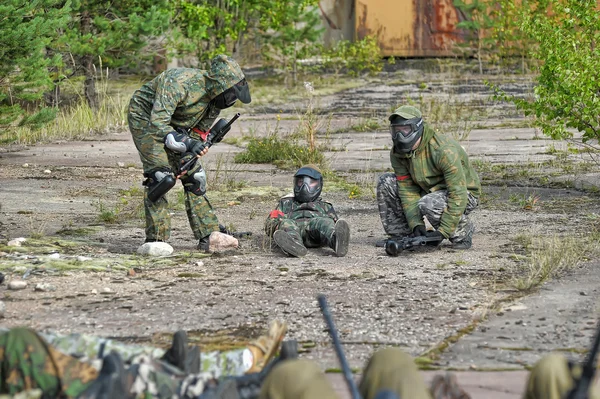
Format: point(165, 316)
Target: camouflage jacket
point(181, 97)
point(289, 208)
point(438, 163)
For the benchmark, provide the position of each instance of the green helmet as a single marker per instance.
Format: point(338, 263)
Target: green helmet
point(406, 127)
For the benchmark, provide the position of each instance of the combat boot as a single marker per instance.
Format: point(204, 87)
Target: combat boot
point(464, 243)
point(264, 348)
point(341, 238)
point(111, 382)
point(185, 358)
point(289, 244)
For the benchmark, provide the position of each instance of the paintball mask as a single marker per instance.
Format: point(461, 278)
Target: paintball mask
point(406, 127)
point(239, 91)
point(308, 183)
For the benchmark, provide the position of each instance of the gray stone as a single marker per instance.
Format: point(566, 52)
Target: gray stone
point(17, 285)
point(155, 249)
point(2, 309)
point(16, 242)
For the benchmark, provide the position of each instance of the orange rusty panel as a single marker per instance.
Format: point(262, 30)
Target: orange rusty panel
point(409, 27)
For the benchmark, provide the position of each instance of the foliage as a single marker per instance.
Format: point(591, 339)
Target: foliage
point(27, 28)
point(212, 27)
point(110, 35)
point(356, 57)
point(566, 96)
point(478, 22)
point(290, 34)
point(280, 151)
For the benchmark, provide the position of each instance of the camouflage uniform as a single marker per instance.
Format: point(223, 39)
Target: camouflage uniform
point(91, 349)
point(28, 363)
point(312, 223)
point(436, 180)
point(178, 98)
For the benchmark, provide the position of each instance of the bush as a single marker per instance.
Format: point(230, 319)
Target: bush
point(356, 57)
point(284, 152)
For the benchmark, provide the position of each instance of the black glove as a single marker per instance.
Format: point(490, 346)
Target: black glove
point(419, 230)
point(436, 234)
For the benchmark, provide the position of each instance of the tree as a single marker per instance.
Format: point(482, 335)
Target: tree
point(479, 23)
point(291, 29)
point(567, 95)
point(111, 34)
point(212, 27)
point(26, 29)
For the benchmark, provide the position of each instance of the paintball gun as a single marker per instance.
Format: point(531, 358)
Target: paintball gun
point(394, 245)
point(188, 160)
point(583, 383)
point(215, 134)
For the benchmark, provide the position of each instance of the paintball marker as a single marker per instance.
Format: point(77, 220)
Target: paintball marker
point(236, 234)
point(188, 160)
point(215, 134)
point(583, 383)
point(394, 245)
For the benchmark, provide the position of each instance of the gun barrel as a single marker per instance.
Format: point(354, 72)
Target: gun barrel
point(233, 119)
point(338, 347)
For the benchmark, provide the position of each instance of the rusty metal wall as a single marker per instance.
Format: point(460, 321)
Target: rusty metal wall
point(412, 28)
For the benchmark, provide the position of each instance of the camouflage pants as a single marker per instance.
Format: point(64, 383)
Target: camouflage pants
point(314, 232)
point(431, 205)
point(28, 363)
point(91, 349)
point(154, 155)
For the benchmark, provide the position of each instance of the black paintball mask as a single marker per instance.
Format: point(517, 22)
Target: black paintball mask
point(405, 132)
point(308, 183)
point(239, 91)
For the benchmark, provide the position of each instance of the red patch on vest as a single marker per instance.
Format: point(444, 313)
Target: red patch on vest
point(400, 178)
point(275, 213)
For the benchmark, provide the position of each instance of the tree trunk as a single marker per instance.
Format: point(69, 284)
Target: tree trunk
point(89, 85)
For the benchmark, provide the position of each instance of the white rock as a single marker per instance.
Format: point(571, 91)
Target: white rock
point(220, 242)
point(121, 164)
point(83, 258)
point(200, 264)
point(94, 291)
point(17, 285)
point(44, 287)
point(106, 290)
point(16, 242)
point(2, 309)
point(55, 255)
point(47, 171)
point(25, 165)
point(155, 249)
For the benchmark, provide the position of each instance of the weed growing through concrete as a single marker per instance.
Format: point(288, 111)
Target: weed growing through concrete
point(549, 257)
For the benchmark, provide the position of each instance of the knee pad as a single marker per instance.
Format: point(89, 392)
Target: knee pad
point(158, 181)
point(195, 182)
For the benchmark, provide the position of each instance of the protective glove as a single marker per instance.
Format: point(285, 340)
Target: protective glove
point(419, 230)
point(437, 235)
point(180, 142)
